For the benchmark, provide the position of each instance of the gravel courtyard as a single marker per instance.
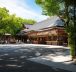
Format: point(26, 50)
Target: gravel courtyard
point(18, 58)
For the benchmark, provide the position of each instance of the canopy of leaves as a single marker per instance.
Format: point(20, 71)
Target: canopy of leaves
point(10, 23)
point(49, 7)
point(53, 7)
point(28, 21)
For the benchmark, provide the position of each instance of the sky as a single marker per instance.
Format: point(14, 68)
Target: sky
point(24, 8)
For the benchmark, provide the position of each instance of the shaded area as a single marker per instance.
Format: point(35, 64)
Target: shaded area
point(15, 59)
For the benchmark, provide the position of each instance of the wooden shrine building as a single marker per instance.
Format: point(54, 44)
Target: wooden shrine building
point(50, 31)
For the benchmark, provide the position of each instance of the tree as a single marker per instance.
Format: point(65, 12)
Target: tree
point(3, 15)
point(29, 21)
point(11, 23)
point(66, 9)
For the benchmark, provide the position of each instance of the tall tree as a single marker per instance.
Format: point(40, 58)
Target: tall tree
point(11, 23)
point(66, 9)
point(3, 14)
point(29, 21)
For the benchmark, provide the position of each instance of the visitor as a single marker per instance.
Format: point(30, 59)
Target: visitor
point(28, 41)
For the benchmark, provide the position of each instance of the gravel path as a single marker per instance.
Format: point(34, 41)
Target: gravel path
point(31, 58)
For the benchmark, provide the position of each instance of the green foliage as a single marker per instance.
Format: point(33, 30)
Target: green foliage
point(53, 7)
point(3, 13)
point(13, 24)
point(10, 23)
point(28, 21)
point(49, 7)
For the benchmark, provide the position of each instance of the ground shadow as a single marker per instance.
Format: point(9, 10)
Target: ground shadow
point(15, 59)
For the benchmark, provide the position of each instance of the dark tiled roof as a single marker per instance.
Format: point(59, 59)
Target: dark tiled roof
point(50, 22)
point(22, 32)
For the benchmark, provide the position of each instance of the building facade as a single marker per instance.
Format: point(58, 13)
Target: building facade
point(53, 36)
point(50, 31)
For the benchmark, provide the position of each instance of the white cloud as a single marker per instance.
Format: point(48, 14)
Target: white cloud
point(20, 8)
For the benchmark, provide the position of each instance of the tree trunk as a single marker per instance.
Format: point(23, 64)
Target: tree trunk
point(75, 27)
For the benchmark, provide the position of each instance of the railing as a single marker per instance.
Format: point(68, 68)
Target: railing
point(54, 42)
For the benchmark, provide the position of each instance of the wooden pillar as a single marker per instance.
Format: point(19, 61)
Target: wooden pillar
point(57, 39)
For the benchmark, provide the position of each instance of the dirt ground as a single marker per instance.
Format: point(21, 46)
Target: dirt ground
point(15, 59)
